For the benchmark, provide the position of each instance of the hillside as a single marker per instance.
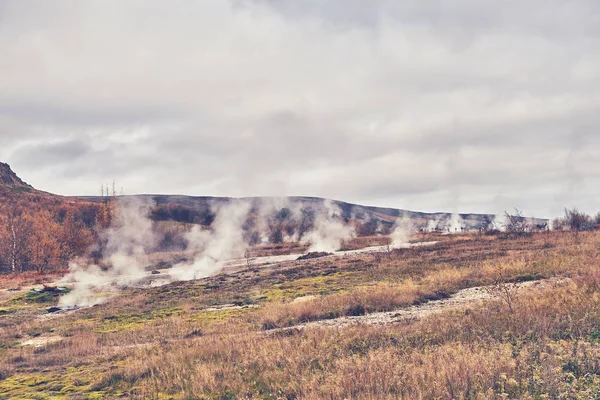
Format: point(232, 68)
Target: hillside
point(41, 231)
point(16, 193)
point(194, 209)
point(197, 209)
point(423, 322)
point(452, 316)
point(11, 184)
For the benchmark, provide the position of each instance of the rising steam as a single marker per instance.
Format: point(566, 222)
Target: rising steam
point(126, 245)
point(455, 224)
point(403, 230)
point(226, 241)
point(329, 230)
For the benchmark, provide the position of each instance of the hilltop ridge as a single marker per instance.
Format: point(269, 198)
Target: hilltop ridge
point(193, 209)
point(196, 209)
point(9, 178)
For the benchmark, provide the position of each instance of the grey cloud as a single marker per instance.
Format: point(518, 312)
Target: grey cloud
point(539, 16)
point(49, 154)
point(74, 115)
point(436, 105)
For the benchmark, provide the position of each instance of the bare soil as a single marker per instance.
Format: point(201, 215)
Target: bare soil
point(464, 298)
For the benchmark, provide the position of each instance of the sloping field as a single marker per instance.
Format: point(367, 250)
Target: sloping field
point(533, 331)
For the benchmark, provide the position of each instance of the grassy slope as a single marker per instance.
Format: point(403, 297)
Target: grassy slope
point(161, 343)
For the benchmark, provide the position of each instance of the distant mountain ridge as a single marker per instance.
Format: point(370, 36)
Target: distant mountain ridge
point(200, 205)
point(197, 209)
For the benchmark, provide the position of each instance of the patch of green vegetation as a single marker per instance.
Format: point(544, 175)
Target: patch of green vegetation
point(31, 386)
point(14, 304)
point(528, 277)
point(219, 315)
point(32, 298)
point(595, 335)
point(81, 381)
point(7, 310)
point(176, 291)
point(117, 380)
point(35, 296)
point(315, 285)
point(133, 321)
point(4, 346)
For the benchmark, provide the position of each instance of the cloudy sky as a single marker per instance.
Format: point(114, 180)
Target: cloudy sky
point(435, 105)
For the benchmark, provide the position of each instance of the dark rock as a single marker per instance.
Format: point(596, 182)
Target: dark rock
point(314, 254)
point(51, 289)
point(194, 333)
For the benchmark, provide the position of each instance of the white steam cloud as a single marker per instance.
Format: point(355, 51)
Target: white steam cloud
point(455, 224)
point(329, 230)
point(224, 242)
point(126, 245)
point(499, 222)
point(432, 225)
point(403, 230)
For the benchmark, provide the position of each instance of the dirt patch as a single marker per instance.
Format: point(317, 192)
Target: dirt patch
point(303, 298)
point(462, 298)
point(229, 307)
point(41, 341)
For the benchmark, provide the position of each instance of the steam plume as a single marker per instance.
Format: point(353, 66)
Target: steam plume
point(455, 224)
point(328, 231)
point(226, 241)
point(403, 230)
point(127, 241)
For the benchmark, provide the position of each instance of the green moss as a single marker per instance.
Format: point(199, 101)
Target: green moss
point(95, 396)
point(14, 305)
point(25, 386)
point(7, 345)
point(34, 296)
point(133, 321)
point(316, 285)
point(32, 300)
point(595, 335)
point(78, 382)
point(219, 315)
point(7, 310)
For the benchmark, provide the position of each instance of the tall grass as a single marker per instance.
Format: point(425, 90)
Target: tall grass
point(161, 343)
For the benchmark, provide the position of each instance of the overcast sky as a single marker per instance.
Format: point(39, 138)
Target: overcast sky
point(434, 105)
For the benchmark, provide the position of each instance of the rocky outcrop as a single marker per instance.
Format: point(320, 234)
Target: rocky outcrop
point(9, 178)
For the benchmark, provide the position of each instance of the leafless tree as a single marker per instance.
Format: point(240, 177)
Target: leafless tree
point(248, 257)
point(389, 248)
point(577, 221)
point(517, 224)
point(504, 289)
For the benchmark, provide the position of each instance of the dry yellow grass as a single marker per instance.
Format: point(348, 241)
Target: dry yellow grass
point(161, 343)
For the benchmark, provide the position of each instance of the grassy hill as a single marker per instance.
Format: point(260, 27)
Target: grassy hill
point(274, 332)
point(467, 316)
point(16, 192)
point(197, 209)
